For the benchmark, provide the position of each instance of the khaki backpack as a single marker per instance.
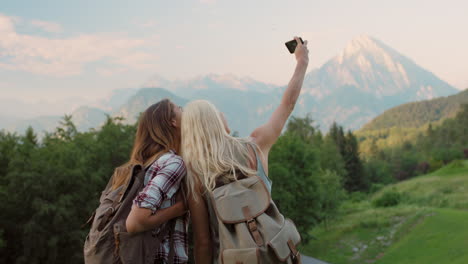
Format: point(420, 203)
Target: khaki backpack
point(251, 228)
point(108, 241)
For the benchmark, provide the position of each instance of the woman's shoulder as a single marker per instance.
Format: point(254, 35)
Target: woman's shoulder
point(169, 157)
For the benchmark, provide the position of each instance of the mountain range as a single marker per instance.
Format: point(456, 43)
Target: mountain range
point(365, 79)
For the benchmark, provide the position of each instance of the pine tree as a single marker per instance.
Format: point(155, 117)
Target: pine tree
point(355, 178)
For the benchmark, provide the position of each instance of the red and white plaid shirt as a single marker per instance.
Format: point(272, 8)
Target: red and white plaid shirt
point(162, 181)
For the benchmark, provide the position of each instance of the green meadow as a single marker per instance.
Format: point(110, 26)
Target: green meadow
point(423, 220)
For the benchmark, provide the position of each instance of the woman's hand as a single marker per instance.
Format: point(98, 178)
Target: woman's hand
point(179, 208)
point(301, 52)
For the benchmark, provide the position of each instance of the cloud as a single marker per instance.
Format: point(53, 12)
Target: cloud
point(6, 23)
point(47, 26)
point(110, 71)
point(150, 23)
point(4, 84)
point(63, 57)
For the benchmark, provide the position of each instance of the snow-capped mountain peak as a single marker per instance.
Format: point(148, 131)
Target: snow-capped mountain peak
point(364, 51)
point(370, 76)
point(373, 67)
point(359, 44)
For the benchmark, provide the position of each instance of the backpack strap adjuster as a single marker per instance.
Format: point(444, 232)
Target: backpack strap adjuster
point(106, 217)
point(252, 226)
point(296, 256)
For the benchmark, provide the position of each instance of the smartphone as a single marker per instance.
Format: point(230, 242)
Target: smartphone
point(291, 45)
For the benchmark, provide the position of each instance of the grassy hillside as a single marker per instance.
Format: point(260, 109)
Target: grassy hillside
point(428, 223)
point(441, 238)
point(444, 188)
point(417, 114)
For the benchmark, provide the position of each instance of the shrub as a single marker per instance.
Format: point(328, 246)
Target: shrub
point(402, 175)
point(330, 194)
point(423, 167)
point(357, 196)
point(375, 187)
point(435, 165)
point(388, 199)
point(456, 164)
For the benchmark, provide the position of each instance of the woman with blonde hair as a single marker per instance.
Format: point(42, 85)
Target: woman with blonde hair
point(214, 158)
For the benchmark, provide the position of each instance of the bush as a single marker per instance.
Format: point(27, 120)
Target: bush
point(357, 196)
point(379, 171)
point(375, 187)
point(330, 194)
point(456, 164)
point(423, 167)
point(388, 199)
point(435, 165)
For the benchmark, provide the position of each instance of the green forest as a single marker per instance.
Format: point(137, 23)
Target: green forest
point(50, 185)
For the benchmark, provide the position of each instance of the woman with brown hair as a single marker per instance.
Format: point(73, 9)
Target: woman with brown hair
point(156, 146)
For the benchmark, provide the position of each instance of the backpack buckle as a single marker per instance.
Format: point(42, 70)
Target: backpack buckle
point(252, 224)
point(296, 256)
point(295, 253)
point(112, 210)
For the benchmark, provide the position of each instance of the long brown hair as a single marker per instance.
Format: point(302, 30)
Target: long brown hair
point(155, 136)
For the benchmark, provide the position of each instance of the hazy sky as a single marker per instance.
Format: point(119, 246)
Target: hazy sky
point(52, 50)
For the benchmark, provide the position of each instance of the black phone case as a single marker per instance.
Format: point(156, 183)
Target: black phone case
point(291, 45)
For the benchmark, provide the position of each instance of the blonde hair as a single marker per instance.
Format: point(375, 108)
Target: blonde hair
point(208, 150)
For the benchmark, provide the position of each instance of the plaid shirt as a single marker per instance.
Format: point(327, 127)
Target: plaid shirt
point(162, 181)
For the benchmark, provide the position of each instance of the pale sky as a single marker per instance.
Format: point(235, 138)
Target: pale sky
point(52, 50)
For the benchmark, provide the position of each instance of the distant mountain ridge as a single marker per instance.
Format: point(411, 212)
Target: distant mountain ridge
point(209, 82)
point(144, 98)
point(417, 114)
point(363, 81)
point(86, 117)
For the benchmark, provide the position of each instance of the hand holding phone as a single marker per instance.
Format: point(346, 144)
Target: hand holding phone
point(301, 52)
point(292, 44)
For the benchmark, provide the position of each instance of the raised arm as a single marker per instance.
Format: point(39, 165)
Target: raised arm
point(267, 134)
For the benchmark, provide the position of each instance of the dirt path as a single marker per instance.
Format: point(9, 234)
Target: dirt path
point(310, 260)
